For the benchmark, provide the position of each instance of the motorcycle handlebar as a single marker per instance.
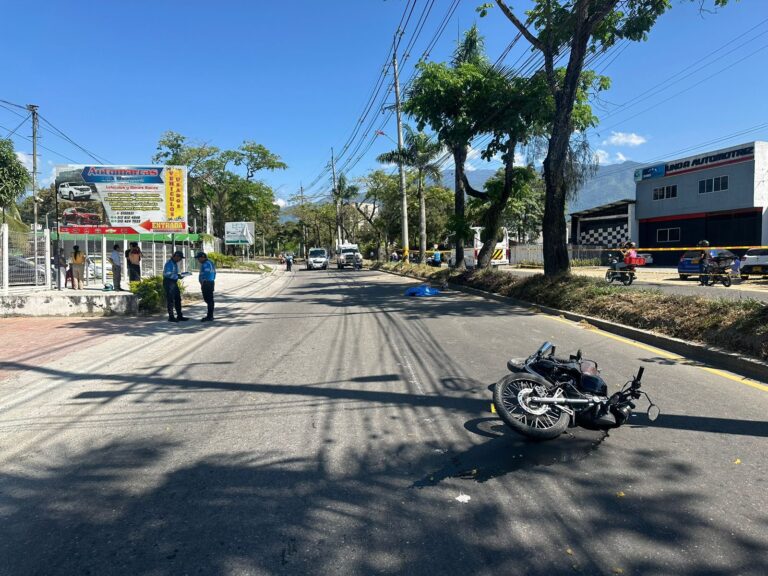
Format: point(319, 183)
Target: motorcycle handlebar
point(640, 373)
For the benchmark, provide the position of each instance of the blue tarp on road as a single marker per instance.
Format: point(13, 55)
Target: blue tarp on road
point(422, 290)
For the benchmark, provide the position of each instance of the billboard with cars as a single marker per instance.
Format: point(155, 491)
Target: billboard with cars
point(98, 199)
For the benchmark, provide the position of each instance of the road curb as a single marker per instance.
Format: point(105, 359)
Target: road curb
point(710, 355)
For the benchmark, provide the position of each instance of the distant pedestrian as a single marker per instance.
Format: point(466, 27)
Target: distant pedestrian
point(133, 256)
point(171, 277)
point(207, 281)
point(77, 261)
point(394, 257)
point(117, 267)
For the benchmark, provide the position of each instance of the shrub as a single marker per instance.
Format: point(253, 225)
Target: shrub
point(150, 293)
point(222, 260)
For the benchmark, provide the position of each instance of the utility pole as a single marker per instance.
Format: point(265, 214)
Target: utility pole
point(303, 224)
point(33, 110)
point(336, 201)
point(403, 194)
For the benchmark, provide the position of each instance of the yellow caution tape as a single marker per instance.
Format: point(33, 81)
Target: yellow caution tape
point(682, 249)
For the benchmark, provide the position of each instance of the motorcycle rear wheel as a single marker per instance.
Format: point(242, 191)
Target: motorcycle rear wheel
point(627, 279)
point(539, 422)
point(726, 281)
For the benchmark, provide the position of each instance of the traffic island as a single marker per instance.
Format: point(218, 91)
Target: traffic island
point(68, 303)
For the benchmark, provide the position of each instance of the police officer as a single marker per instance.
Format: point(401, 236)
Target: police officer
point(207, 280)
point(171, 286)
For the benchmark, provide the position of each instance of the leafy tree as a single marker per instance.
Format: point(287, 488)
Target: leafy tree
point(13, 177)
point(212, 182)
point(516, 111)
point(439, 97)
point(418, 153)
point(576, 28)
point(255, 157)
point(46, 198)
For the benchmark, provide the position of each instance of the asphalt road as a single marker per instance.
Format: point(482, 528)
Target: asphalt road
point(326, 424)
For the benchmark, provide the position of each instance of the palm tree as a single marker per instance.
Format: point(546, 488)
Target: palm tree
point(342, 195)
point(418, 153)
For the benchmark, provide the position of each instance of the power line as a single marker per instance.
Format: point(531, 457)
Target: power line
point(12, 132)
point(98, 159)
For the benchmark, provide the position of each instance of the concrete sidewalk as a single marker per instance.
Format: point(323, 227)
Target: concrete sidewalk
point(38, 340)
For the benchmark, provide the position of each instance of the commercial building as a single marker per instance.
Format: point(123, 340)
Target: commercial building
point(719, 196)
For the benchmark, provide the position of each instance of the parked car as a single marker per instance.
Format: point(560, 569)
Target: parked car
point(648, 258)
point(93, 268)
point(755, 262)
point(317, 258)
point(73, 191)
point(22, 271)
point(689, 261)
point(80, 216)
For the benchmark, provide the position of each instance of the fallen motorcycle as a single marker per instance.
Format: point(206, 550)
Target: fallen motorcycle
point(544, 395)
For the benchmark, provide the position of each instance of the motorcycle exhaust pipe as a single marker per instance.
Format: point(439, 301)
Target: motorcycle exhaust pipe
point(562, 401)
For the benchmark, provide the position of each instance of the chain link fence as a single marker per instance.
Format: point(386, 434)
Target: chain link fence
point(25, 261)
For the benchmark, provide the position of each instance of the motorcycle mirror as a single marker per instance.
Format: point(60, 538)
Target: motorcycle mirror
point(544, 348)
point(578, 356)
point(653, 412)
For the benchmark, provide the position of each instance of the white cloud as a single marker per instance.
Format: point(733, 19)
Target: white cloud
point(603, 157)
point(280, 202)
point(624, 139)
point(47, 181)
point(25, 159)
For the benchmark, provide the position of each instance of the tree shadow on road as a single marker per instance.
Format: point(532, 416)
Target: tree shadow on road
point(144, 508)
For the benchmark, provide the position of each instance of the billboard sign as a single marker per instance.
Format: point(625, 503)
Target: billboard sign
point(121, 199)
point(239, 233)
point(658, 171)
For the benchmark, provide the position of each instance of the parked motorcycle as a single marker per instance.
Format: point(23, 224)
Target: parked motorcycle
point(545, 394)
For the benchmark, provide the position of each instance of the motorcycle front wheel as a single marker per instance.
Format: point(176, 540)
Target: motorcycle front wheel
point(726, 281)
point(609, 277)
point(536, 421)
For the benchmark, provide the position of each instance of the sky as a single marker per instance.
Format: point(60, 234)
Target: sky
point(297, 78)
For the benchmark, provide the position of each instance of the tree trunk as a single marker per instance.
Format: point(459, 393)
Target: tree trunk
point(422, 223)
point(555, 249)
point(492, 216)
point(459, 158)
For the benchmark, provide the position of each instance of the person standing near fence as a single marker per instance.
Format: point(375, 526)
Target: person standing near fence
point(207, 280)
point(78, 267)
point(133, 256)
point(171, 286)
point(117, 266)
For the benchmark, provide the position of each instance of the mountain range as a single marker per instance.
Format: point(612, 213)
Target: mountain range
point(610, 183)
